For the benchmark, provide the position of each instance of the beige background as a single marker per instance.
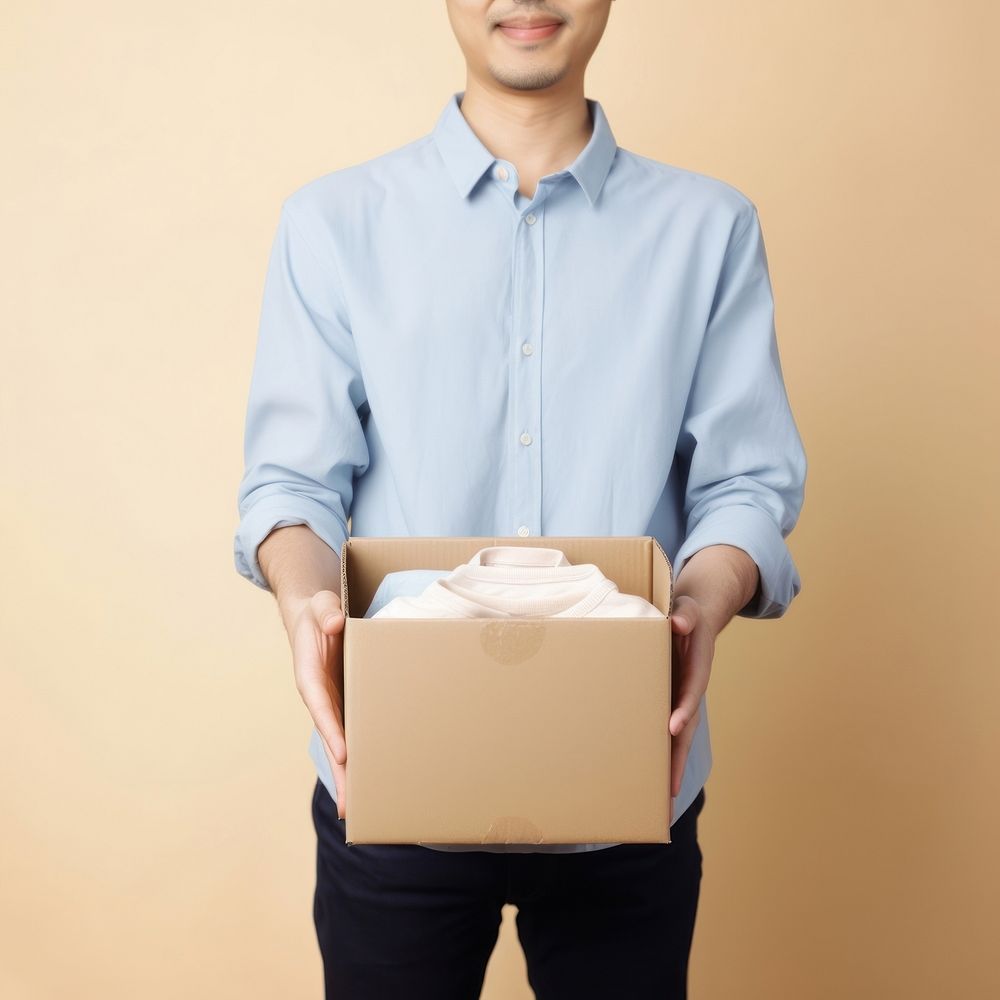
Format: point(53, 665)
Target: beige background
point(156, 837)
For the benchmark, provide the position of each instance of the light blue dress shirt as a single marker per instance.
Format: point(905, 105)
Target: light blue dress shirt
point(439, 354)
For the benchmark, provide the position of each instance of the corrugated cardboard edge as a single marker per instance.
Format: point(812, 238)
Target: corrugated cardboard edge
point(343, 577)
point(670, 575)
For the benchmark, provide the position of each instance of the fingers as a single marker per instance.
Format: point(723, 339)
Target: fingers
point(317, 690)
point(327, 717)
point(694, 644)
point(694, 668)
point(340, 777)
point(340, 780)
point(315, 657)
point(679, 747)
point(317, 654)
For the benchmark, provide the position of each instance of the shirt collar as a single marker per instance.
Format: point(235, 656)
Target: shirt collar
point(467, 159)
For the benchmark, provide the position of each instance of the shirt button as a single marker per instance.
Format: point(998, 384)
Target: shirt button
point(502, 173)
point(526, 348)
point(525, 438)
point(523, 530)
point(530, 218)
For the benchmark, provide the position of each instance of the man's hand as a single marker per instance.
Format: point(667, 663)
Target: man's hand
point(693, 649)
point(302, 571)
point(316, 634)
point(715, 583)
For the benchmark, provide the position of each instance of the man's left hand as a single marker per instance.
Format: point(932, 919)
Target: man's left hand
point(693, 637)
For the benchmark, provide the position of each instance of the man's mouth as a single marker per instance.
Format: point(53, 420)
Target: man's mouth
point(529, 30)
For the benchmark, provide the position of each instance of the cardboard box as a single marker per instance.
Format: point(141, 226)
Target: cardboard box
point(522, 730)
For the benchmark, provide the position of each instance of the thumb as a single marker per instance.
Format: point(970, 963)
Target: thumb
point(328, 611)
point(685, 615)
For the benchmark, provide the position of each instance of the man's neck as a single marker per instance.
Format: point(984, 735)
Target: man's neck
point(540, 133)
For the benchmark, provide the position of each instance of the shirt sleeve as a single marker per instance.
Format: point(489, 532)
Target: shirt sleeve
point(303, 442)
point(746, 465)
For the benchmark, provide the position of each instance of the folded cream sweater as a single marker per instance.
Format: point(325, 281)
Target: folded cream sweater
point(514, 581)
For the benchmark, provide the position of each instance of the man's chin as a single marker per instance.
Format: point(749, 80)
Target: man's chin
point(527, 81)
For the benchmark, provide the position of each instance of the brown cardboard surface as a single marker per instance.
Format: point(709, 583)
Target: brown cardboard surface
point(535, 731)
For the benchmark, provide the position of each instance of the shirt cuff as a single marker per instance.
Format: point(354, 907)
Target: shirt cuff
point(279, 511)
point(751, 529)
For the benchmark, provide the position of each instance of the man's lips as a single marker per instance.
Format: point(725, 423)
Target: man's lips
point(532, 33)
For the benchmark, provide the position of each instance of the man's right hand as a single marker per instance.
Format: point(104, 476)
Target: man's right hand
point(316, 634)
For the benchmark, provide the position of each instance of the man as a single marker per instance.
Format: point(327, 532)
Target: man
point(513, 326)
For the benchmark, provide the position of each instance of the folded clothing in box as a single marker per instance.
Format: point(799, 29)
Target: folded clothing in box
point(502, 581)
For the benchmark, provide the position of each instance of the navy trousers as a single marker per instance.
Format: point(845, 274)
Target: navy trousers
point(406, 921)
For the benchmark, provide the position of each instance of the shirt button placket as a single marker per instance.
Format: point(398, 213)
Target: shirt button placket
point(526, 372)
